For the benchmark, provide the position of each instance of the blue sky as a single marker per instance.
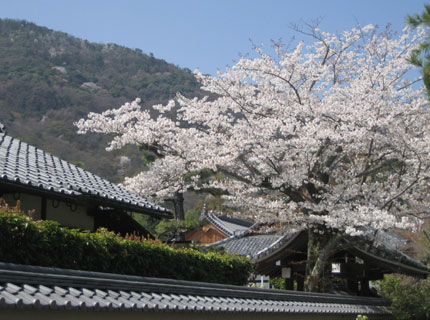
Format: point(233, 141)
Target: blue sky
point(204, 34)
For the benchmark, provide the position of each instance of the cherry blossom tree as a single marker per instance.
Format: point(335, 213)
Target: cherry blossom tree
point(333, 137)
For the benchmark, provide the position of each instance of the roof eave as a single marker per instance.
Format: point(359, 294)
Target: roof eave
point(397, 266)
point(83, 199)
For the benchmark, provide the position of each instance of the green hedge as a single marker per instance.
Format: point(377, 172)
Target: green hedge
point(46, 243)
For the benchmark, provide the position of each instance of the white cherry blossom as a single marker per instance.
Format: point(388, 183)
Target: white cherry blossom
point(334, 133)
point(331, 136)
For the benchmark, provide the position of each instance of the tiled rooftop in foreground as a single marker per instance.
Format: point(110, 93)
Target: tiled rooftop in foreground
point(29, 287)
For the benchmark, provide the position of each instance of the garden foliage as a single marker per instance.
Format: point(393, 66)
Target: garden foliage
point(410, 297)
point(46, 243)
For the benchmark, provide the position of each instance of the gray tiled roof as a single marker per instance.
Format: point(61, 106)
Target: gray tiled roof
point(27, 166)
point(255, 246)
point(247, 245)
point(230, 226)
point(39, 287)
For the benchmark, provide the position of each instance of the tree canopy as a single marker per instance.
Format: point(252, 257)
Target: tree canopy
point(332, 136)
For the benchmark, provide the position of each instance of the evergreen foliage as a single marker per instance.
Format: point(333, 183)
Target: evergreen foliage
point(421, 56)
point(411, 297)
point(46, 243)
point(278, 283)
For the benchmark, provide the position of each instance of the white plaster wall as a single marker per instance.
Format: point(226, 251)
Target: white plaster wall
point(61, 213)
point(28, 203)
point(67, 217)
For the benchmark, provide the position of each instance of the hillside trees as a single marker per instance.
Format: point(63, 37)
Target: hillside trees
point(333, 137)
point(50, 79)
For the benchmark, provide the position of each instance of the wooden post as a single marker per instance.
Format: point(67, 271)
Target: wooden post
point(43, 209)
point(179, 206)
point(289, 284)
point(365, 289)
point(353, 286)
point(300, 283)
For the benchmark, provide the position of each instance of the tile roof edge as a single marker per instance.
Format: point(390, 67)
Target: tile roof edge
point(12, 273)
point(278, 243)
point(236, 221)
point(22, 187)
point(277, 246)
point(414, 269)
point(214, 220)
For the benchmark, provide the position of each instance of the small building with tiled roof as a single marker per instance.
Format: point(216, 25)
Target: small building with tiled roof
point(55, 189)
point(48, 293)
point(217, 228)
point(353, 266)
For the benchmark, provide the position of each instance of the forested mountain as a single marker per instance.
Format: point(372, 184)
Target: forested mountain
point(50, 79)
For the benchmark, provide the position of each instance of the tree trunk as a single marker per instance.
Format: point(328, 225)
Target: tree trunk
point(321, 246)
point(178, 202)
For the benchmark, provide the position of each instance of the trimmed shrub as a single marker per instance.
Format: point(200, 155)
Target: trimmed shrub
point(46, 243)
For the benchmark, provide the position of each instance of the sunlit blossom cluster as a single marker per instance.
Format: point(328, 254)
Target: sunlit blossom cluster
point(335, 133)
